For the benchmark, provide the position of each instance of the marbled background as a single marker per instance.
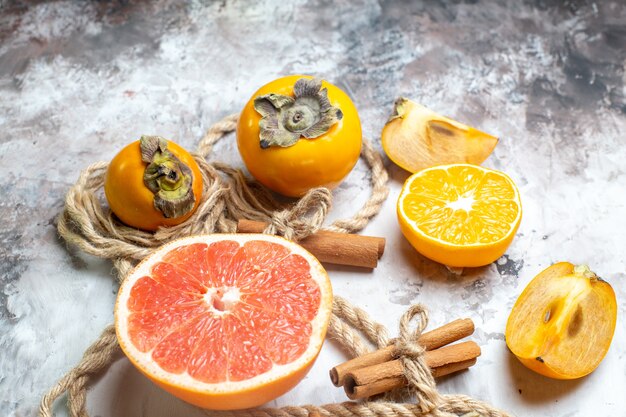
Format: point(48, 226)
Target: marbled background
point(80, 79)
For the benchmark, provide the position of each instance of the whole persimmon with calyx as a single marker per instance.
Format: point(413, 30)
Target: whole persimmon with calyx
point(562, 324)
point(153, 182)
point(298, 132)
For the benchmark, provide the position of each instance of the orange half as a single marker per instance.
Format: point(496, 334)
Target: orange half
point(460, 215)
point(225, 321)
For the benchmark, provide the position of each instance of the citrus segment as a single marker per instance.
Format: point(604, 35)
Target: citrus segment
point(225, 321)
point(272, 277)
point(292, 296)
point(149, 294)
point(263, 258)
point(209, 362)
point(246, 359)
point(459, 215)
point(176, 349)
point(191, 260)
point(221, 255)
point(175, 277)
point(282, 338)
point(148, 327)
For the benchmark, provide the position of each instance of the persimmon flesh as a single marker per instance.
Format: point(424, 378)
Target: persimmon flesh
point(563, 322)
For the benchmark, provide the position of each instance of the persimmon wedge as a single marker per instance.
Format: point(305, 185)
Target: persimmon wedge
point(563, 322)
point(416, 137)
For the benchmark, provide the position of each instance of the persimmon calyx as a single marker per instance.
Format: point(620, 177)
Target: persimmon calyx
point(307, 114)
point(402, 105)
point(583, 270)
point(399, 109)
point(167, 177)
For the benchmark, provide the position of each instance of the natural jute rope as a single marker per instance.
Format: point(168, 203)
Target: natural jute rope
point(228, 196)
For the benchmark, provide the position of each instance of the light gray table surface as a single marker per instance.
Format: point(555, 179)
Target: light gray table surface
point(80, 79)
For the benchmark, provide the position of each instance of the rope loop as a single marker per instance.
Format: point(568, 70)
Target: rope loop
point(359, 321)
point(304, 218)
point(416, 311)
point(411, 354)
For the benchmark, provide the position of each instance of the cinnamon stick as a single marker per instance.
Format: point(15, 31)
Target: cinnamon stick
point(332, 247)
point(376, 379)
point(387, 384)
point(441, 336)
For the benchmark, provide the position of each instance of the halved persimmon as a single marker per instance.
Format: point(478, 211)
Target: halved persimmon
point(563, 323)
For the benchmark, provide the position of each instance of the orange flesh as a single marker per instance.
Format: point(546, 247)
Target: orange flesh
point(224, 312)
point(437, 204)
point(562, 324)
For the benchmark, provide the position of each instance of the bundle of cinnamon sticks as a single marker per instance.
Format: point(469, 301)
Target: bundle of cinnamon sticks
point(380, 371)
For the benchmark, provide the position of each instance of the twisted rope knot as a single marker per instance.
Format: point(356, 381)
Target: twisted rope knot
point(406, 343)
point(411, 354)
point(302, 219)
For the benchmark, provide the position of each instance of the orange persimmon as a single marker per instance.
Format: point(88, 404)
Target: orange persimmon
point(562, 324)
point(153, 182)
point(297, 133)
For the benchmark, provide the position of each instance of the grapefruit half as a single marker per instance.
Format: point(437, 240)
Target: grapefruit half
point(225, 321)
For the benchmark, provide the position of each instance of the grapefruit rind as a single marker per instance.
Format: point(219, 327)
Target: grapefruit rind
point(451, 253)
point(227, 394)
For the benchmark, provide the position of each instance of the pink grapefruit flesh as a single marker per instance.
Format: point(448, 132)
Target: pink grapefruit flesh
point(225, 321)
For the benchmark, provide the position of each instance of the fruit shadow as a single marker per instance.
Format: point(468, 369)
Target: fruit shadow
point(79, 260)
point(396, 174)
point(434, 271)
point(535, 388)
point(134, 394)
point(347, 269)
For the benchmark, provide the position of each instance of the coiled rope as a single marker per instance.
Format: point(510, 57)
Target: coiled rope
point(228, 195)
